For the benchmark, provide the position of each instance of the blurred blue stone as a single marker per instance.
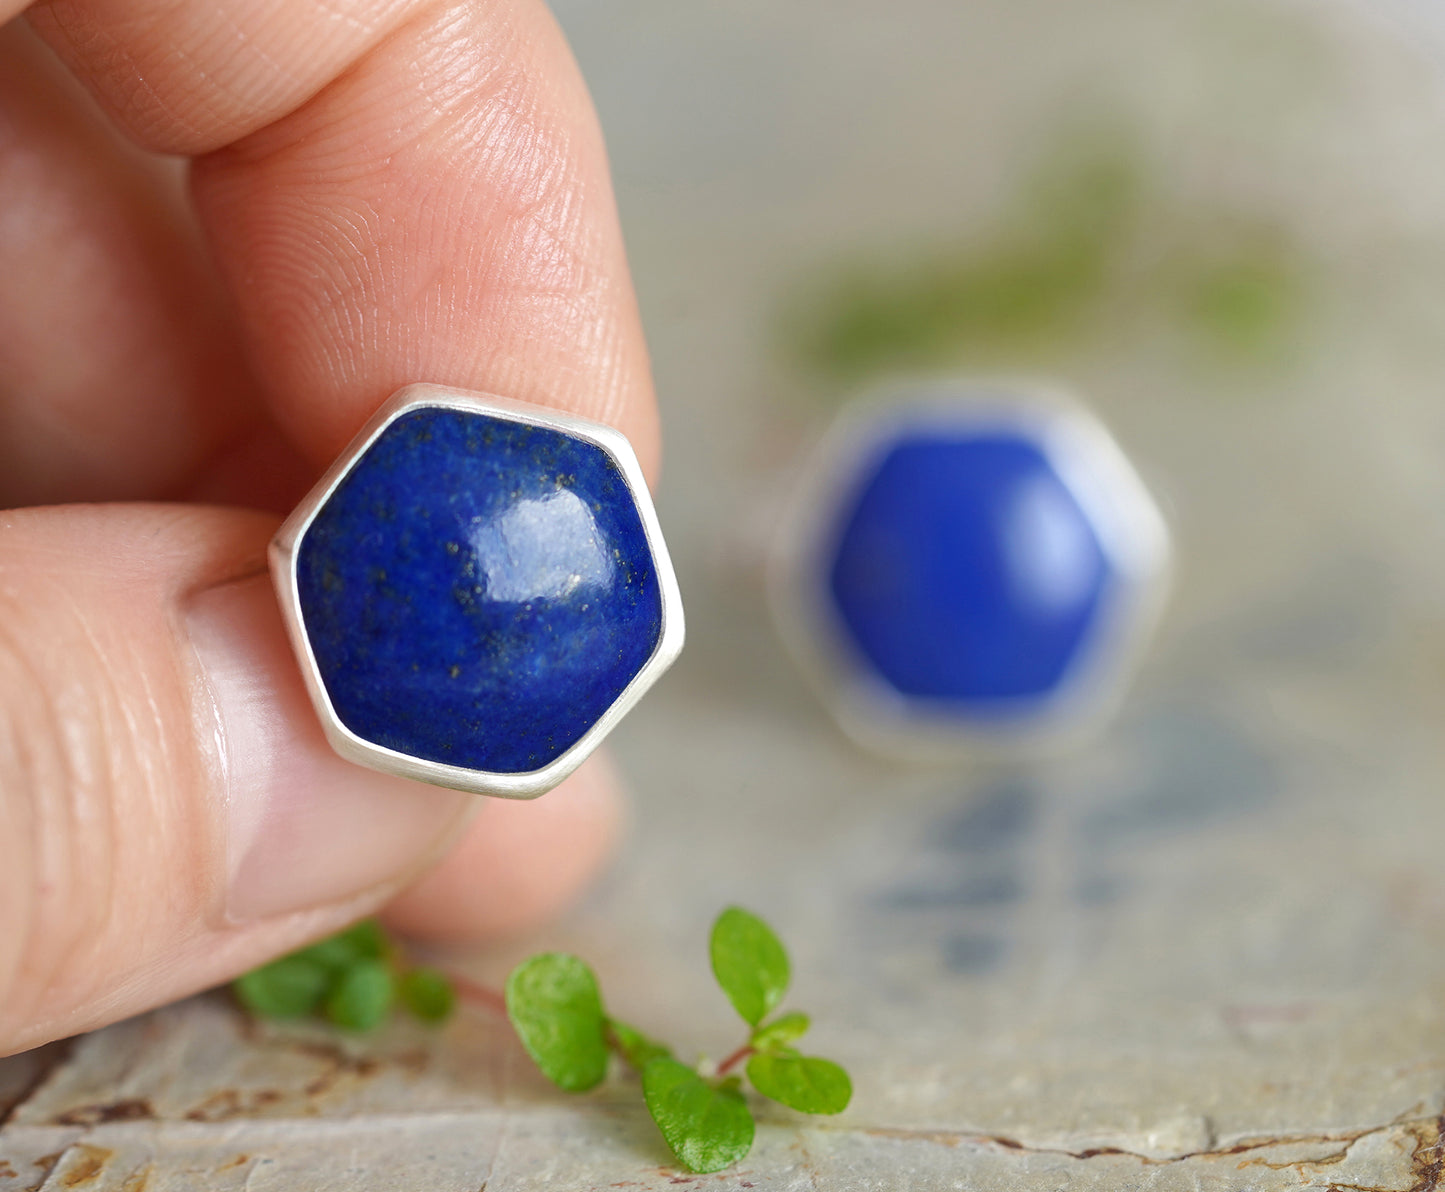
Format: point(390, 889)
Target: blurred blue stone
point(478, 591)
point(965, 570)
point(968, 563)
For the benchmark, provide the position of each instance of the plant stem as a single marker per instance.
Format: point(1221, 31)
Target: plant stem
point(467, 989)
point(478, 994)
point(614, 1044)
point(735, 1059)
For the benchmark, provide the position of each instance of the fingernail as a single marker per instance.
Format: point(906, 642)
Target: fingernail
point(303, 827)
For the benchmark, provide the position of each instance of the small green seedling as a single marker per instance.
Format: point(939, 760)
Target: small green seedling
point(556, 1008)
point(354, 979)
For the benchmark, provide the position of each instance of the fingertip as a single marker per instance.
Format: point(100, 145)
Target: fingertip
point(519, 864)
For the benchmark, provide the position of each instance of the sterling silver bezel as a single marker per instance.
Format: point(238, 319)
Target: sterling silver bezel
point(1131, 530)
point(284, 551)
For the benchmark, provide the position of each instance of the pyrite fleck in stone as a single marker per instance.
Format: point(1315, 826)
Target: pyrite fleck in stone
point(478, 591)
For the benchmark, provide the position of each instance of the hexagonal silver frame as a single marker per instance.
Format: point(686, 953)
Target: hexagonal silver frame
point(283, 558)
point(1130, 527)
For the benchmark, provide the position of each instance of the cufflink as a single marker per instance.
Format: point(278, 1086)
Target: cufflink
point(968, 564)
point(477, 591)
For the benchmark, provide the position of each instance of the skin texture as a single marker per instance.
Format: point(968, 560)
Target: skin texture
point(230, 230)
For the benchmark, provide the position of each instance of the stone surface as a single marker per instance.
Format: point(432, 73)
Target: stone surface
point(478, 591)
point(965, 572)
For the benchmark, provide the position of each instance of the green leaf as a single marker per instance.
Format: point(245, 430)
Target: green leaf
point(782, 1030)
point(801, 1082)
point(556, 1010)
point(635, 1047)
point(707, 1126)
point(299, 983)
point(362, 941)
point(362, 996)
point(285, 988)
point(428, 994)
point(749, 963)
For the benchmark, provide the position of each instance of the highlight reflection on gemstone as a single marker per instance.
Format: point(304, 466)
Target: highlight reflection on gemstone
point(541, 549)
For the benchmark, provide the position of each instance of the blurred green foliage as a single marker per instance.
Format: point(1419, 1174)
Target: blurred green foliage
point(1085, 248)
point(1244, 304)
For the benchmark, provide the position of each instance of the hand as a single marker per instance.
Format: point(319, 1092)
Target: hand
point(379, 191)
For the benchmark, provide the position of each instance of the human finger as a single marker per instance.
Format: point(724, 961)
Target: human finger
point(518, 863)
point(120, 372)
point(171, 811)
point(406, 190)
point(428, 202)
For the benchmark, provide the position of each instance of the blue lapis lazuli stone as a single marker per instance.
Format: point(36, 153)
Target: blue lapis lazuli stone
point(965, 572)
point(478, 591)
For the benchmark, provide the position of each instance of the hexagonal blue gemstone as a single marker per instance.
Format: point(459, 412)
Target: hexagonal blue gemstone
point(966, 572)
point(478, 591)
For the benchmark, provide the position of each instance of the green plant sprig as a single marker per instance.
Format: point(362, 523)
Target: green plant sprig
point(556, 1008)
point(357, 978)
point(353, 979)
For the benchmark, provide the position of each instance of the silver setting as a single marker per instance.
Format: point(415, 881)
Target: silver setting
point(1131, 531)
point(283, 558)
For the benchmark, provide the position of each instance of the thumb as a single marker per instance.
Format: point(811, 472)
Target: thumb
point(170, 811)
